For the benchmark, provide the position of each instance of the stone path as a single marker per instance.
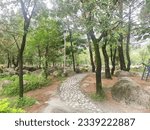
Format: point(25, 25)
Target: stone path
point(70, 98)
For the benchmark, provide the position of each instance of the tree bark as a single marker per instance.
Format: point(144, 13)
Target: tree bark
point(72, 51)
point(120, 46)
point(99, 89)
point(128, 41)
point(106, 59)
point(39, 54)
point(15, 62)
point(113, 59)
point(21, 88)
point(91, 54)
point(9, 60)
point(27, 20)
point(46, 61)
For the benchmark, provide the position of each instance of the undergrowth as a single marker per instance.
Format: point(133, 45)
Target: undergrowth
point(31, 82)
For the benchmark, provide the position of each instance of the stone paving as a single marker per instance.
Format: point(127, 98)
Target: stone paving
point(72, 96)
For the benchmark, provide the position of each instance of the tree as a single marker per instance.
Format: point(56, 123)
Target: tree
point(106, 58)
point(128, 38)
point(120, 40)
point(91, 53)
point(27, 15)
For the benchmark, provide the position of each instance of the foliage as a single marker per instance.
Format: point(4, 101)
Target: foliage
point(100, 97)
point(5, 107)
point(24, 102)
point(31, 82)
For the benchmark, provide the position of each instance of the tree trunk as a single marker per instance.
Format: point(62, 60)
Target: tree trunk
point(91, 54)
point(9, 60)
point(72, 51)
point(46, 61)
point(27, 20)
point(99, 89)
point(106, 59)
point(128, 41)
point(21, 88)
point(113, 59)
point(39, 54)
point(64, 65)
point(98, 69)
point(120, 46)
point(15, 63)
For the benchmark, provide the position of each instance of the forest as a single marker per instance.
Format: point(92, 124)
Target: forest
point(74, 56)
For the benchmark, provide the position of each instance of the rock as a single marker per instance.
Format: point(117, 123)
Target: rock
point(121, 73)
point(10, 71)
point(30, 68)
point(4, 83)
point(129, 92)
point(1, 70)
point(57, 73)
point(37, 72)
point(25, 82)
point(26, 72)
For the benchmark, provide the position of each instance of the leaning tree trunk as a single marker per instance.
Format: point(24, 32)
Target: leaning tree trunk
point(128, 41)
point(106, 59)
point(91, 54)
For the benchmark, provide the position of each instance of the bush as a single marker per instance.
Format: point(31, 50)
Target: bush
point(6, 107)
point(34, 82)
point(24, 102)
point(31, 82)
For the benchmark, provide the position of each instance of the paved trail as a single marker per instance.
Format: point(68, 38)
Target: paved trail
point(70, 98)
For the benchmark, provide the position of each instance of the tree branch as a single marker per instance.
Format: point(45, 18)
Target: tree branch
point(16, 41)
point(23, 10)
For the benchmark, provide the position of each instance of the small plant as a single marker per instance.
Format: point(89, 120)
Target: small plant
point(99, 97)
point(6, 107)
point(24, 102)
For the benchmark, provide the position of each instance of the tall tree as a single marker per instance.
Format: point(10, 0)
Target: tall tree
point(128, 39)
point(120, 41)
point(91, 53)
point(27, 15)
point(106, 58)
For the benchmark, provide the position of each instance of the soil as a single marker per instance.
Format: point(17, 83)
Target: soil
point(45, 94)
point(109, 104)
point(42, 96)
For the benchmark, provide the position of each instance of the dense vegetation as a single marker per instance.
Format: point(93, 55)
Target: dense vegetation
point(56, 37)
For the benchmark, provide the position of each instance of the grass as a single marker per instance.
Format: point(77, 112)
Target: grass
point(98, 97)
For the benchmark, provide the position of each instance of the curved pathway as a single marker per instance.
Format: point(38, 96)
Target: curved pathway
point(70, 99)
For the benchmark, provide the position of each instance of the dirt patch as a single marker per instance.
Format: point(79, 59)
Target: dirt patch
point(109, 104)
point(42, 96)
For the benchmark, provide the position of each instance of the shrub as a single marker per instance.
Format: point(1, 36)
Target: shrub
point(6, 107)
point(24, 102)
point(32, 82)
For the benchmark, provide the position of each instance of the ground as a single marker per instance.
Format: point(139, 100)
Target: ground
point(58, 97)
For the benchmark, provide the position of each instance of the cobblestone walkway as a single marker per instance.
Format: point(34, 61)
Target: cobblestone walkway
point(72, 96)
